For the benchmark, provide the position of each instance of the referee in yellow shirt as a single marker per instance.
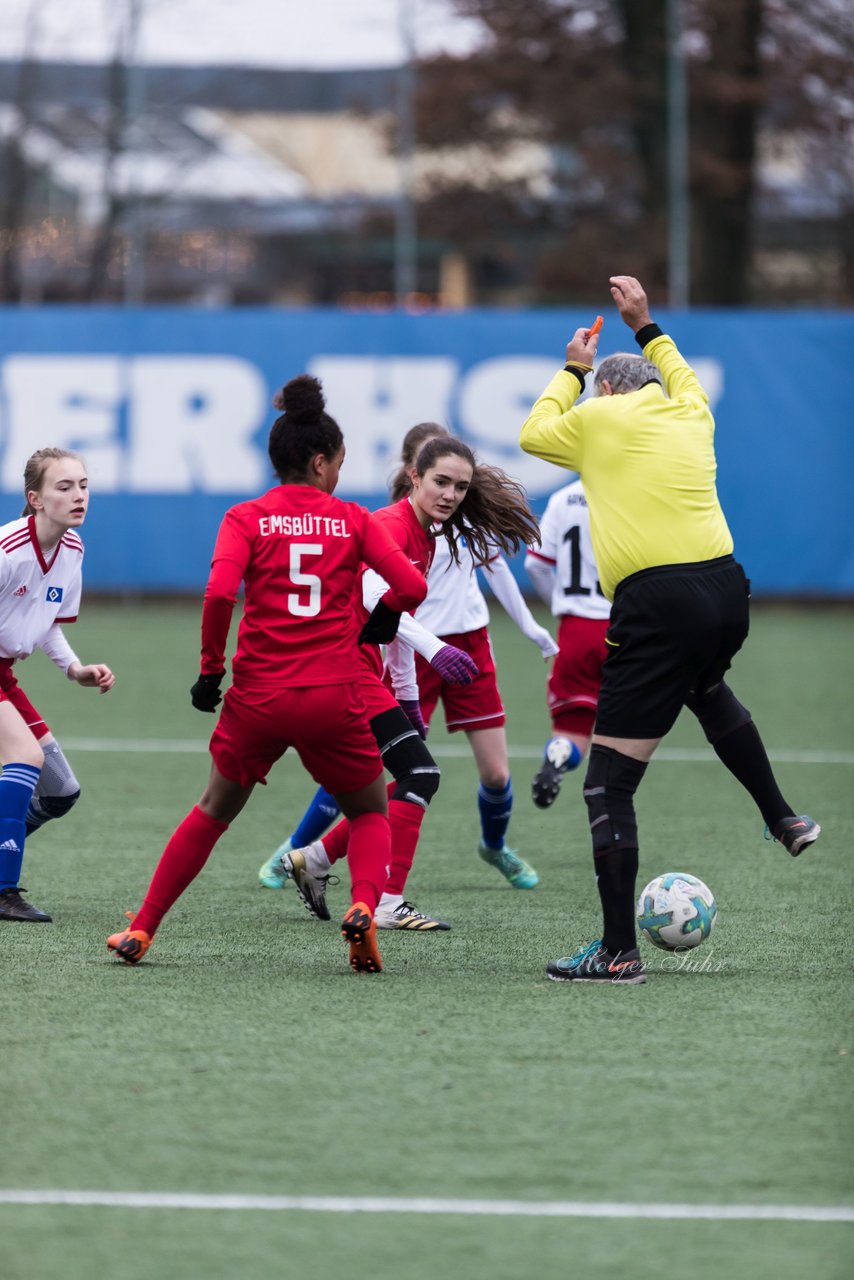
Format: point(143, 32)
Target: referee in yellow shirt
point(644, 447)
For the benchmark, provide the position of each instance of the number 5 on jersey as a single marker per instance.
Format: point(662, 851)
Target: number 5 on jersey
point(298, 604)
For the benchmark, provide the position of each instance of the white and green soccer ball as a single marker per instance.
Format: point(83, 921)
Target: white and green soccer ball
point(676, 911)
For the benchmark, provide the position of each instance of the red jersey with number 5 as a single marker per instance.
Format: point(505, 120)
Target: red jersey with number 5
point(298, 552)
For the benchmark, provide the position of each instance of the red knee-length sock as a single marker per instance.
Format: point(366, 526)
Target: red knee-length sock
point(181, 861)
point(369, 857)
point(405, 819)
point(336, 841)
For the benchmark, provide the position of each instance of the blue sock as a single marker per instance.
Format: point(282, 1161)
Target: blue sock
point(17, 784)
point(495, 805)
point(320, 814)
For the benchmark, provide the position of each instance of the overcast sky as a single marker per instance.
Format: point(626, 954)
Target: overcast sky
point(269, 33)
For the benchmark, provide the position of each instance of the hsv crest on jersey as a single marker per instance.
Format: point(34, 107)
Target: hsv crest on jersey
point(53, 595)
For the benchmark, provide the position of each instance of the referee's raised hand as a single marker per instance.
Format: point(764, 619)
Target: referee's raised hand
point(628, 293)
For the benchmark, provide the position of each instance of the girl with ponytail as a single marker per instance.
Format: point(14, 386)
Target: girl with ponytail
point(298, 552)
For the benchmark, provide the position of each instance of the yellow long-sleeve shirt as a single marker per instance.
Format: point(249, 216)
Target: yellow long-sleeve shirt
point(647, 461)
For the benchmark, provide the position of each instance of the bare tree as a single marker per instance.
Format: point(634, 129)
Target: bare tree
point(588, 81)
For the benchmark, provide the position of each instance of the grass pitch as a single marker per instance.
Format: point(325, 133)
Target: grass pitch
point(244, 1058)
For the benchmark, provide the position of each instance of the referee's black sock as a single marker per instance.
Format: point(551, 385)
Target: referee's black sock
point(743, 752)
point(616, 874)
point(609, 789)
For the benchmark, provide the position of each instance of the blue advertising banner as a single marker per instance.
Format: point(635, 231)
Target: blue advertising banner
point(171, 410)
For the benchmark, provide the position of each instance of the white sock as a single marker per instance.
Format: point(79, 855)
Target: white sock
point(390, 900)
point(558, 751)
point(317, 859)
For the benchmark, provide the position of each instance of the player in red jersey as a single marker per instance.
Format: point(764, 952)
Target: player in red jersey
point(40, 584)
point(299, 553)
point(467, 501)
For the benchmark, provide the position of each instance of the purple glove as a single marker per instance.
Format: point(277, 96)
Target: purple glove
point(454, 665)
point(413, 712)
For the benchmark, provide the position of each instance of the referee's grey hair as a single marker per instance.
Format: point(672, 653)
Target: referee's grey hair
point(625, 372)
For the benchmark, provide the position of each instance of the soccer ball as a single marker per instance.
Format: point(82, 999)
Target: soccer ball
point(676, 911)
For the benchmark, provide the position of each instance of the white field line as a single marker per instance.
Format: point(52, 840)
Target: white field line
point(426, 1205)
point(447, 751)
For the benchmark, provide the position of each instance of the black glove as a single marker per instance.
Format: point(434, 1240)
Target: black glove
point(381, 626)
point(205, 692)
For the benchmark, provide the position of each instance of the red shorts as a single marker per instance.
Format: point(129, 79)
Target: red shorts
point(573, 686)
point(326, 725)
point(11, 691)
point(470, 706)
point(376, 695)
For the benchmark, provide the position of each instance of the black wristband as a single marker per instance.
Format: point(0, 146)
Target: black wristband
point(578, 373)
point(647, 333)
point(381, 625)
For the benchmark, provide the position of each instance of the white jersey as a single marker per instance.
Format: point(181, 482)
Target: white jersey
point(35, 593)
point(455, 603)
point(566, 545)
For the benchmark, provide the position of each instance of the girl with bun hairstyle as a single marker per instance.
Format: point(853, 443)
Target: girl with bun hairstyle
point(299, 553)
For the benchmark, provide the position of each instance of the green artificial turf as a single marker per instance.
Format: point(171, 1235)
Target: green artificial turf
point(243, 1057)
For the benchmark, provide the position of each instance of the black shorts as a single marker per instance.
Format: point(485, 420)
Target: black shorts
point(674, 632)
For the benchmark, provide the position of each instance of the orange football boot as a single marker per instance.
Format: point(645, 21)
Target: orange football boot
point(358, 928)
point(131, 944)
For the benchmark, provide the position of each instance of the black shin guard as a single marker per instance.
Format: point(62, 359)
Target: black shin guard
point(609, 789)
point(406, 757)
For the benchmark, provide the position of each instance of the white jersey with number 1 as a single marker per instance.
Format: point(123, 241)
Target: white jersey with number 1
point(36, 592)
point(566, 545)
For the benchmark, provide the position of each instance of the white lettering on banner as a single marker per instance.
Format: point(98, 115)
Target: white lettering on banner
point(495, 399)
point(377, 399)
point(67, 401)
point(192, 425)
point(174, 424)
point(153, 424)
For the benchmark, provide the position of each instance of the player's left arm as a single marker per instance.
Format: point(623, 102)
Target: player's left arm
point(505, 588)
point(94, 675)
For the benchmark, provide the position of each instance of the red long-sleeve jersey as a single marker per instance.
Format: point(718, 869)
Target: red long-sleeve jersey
point(299, 553)
point(418, 544)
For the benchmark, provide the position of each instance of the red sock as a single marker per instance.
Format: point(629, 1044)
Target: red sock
point(336, 842)
point(181, 861)
point(369, 856)
point(405, 818)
